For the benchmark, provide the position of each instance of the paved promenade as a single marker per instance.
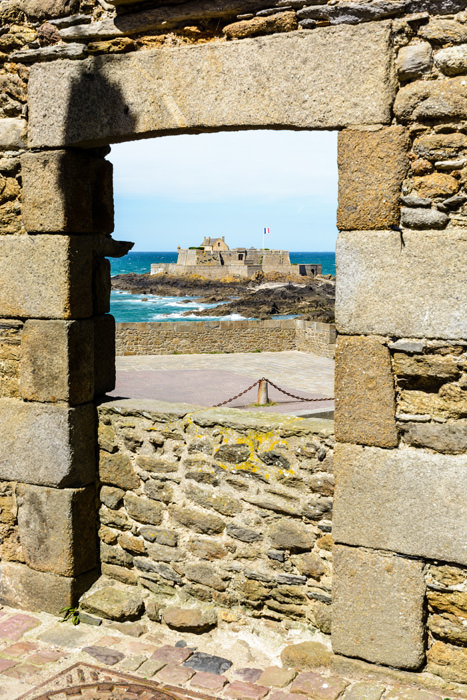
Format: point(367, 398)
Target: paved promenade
point(207, 380)
point(43, 659)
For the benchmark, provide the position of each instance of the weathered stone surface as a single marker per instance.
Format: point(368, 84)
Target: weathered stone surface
point(161, 552)
point(55, 282)
point(306, 656)
point(453, 60)
point(189, 619)
point(378, 598)
point(62, 440)
point(223, 503)
point(205, 574)
point(22, 587)
point(205, 523)
point(280, 22)
point(448, 438)
point(12, 133)
point(372, 165)
point(258, 93)
point(112, 497)
point(208, 663)
point(234, 454)
point(66, 192)
point(432, 99)
point(414, 60)
point(441, 31)
point(449, 402)
point(435, 147)
point(243, 533)
point(310, 565)
point(428, 371)
point(144, 510)
point(114, 604)
point(119, 573)
point(422, 514)
point(364, 690)
point(116, 470)
point(169, 538)
point(436, 185)
point(276, 677)
point(207, 549)
point(57, 529)
point(420, 218)
point(291, 535)
point(364, 388)
point(382, 280)
point(322, 615)
point(318, 687)
point(43, 9)
point(57, 361)
point(451, 602)
point(448, 628)
point(448, 661)
point(50, 53)
point(132, 544)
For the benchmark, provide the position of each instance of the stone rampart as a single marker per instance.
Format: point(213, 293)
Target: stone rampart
point(191, 337)
point(218, 507)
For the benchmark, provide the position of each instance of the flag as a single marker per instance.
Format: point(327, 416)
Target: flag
point(266, 230)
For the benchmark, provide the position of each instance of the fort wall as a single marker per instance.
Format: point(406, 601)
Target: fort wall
point(158, 338)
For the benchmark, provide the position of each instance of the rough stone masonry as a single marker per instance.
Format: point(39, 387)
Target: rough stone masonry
point(391, 77)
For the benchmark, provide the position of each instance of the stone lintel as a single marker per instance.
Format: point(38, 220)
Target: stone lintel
point(410, 286)
point(22, 587)
point(66, 192)
point(57, 361)
point(57, 528)
point(46, 276)
point(47, 444)
point(409, 501)
point(377, 611)
point(304, 80)
point(364, 389)
point(372, 166)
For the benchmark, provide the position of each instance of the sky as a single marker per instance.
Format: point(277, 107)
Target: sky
point(174, 190)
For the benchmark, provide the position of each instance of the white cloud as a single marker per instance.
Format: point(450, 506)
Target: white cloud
point(269, 165)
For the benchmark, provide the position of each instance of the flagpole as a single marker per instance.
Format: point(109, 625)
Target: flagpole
point(263, 237)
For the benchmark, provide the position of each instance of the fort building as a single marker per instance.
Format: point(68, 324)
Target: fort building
point(215, 260)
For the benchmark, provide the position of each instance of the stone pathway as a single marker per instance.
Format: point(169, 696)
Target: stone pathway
point(41, 657)
point(206, 380)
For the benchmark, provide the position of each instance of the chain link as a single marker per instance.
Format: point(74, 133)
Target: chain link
point(237, 395)
point(283, 391)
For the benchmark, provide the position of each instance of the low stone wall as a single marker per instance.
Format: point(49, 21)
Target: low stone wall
point(316, 337)
point(217, 507)
point(189, 337)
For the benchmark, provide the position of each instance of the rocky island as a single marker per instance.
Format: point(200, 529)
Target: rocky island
point(266, 296)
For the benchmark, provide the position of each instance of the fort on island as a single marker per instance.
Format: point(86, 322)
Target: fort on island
point(215, 260)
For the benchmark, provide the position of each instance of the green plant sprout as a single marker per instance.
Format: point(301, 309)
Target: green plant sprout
point(72, 613)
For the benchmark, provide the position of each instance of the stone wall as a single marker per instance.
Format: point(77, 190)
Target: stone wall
point(225, 336)
point(78, 75)
point(220, 507)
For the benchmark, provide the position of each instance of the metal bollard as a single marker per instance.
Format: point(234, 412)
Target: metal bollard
point(263, 398)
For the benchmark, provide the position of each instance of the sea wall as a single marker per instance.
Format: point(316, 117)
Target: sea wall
point(217, 506)
point(190, 337)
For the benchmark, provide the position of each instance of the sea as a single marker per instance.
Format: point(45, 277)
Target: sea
point(150, 307)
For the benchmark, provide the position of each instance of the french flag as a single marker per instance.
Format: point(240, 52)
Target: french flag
point(266, 230)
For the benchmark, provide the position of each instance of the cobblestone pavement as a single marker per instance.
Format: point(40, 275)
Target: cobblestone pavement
point(206, 380)
point(40, 658)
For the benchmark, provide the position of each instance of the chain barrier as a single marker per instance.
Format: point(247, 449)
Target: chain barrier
point(283, 391)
